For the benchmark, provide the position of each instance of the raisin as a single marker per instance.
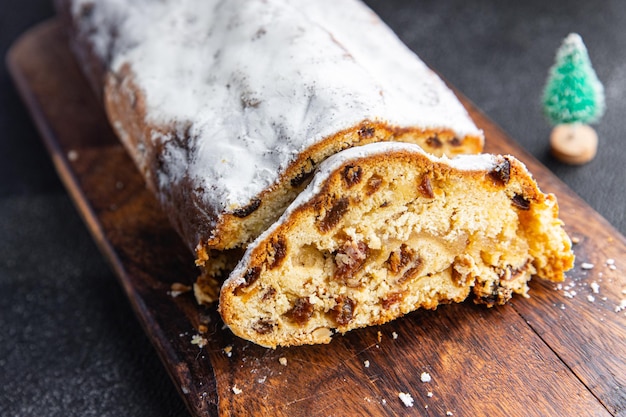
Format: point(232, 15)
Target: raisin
point(501, 174)
point(373, 184)
point(391, 299)
point(277, 252)
point(301, 311)
point(426, 187)
point(349, 260)
point(520, 202)
point(247, 210)
point(366, 132)
point(456, 142)
point(334, 215)
point(413, 271)
point(434, 142)
point(269, 294)
point(249, 278)
point(343, 312)
point(263, 326)
point(352, 175)
point(398, 260)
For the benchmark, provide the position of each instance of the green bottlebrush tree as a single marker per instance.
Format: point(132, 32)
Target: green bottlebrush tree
point(573, 93)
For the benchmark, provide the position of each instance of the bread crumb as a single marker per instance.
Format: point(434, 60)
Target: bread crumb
point(236, 390)
point(394, 335)
point(228, 350)
point(591, 298)
point(177, 289)
point(430, 394)
point(621, 306)
point(406, 399)
point(199, 341)
point(72, 155)
point(595, 287)
point(380, 336)
point(575, 240)
point(610, 261)
point(262, 380)
point(425, 377)
point(449, 413)
point(587, 265)
point(366, 364)
point(282, 360)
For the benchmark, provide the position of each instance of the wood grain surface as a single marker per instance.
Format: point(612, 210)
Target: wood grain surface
point(560, 352)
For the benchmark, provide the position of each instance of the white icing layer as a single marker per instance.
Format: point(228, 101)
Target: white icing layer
point(256, 82)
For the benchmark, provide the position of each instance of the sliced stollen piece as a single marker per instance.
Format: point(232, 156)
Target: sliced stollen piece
point(227, 107)
point(384, 229)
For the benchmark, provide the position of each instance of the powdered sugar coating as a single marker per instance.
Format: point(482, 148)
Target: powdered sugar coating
point(255, 82)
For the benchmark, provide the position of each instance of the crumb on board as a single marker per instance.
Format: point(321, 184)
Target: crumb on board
point(449, 413)
point(425, 377)
point(366, 364)
point(236, 390)
point(430, 394)
point(406, 399)
point(587, 266)
point(228, 350)
point(380, 336)
point(394, 335)
point(198, 340)
point(575, 240)
point(591, 298)
point(595, 287)
point(177, 289)
point(72, 155)
point(282, 360)
point(621, 306)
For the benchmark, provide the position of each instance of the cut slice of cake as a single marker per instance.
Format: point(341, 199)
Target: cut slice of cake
point(385, 229)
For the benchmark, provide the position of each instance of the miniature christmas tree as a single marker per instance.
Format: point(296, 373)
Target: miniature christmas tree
point(572, 98)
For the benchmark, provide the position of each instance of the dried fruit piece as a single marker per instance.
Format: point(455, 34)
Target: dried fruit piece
point(301, 311)
point(349, 260)
point(334, 215)
point(343, 312)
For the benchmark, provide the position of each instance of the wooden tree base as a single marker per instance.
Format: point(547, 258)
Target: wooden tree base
point(574, 143)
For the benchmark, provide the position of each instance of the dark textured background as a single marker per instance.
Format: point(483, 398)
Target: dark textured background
point(69, 344)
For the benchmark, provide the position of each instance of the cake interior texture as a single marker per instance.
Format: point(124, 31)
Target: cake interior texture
point(382, 235)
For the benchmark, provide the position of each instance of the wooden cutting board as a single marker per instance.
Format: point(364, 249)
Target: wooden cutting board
point(561, 352)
